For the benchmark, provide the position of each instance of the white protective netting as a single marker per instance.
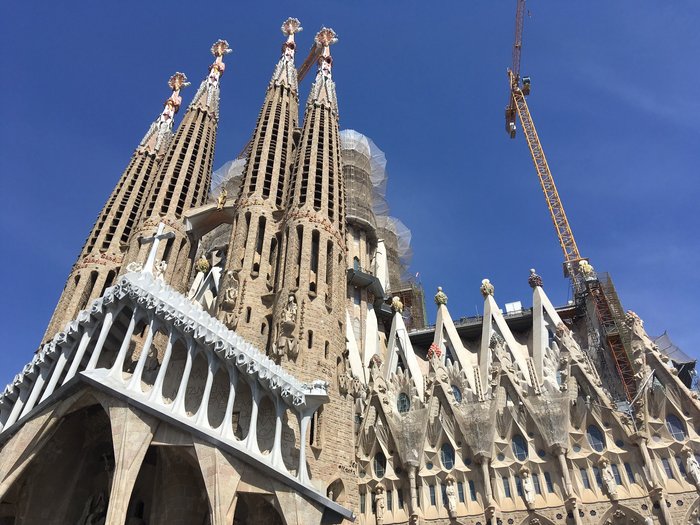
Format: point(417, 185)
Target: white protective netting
point(354, 140)
point(224, 174)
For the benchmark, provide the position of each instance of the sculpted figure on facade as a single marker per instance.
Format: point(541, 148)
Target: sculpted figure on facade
point(221, 199)
point(451, 494)
point(486, 288)
point(289, 314)
point(692, 466)
point(228, 303)
point(528, 486)
point(380, 504)
point(609, 482)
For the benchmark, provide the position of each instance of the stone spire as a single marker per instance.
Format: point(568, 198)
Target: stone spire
point(253, 248)
point(158, 136)
point(308, 331)
point(183, 179)
point(102, 255)
point(323, 89)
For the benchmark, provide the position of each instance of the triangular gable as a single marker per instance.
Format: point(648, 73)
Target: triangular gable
point(445, 331)
point(543, 314)
point(494, 321)
point(356, 366)
point(399, 343)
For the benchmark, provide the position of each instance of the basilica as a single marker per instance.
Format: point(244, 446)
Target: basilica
point(244, 346)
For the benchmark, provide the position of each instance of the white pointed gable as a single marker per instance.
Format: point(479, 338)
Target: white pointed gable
point(400, 344)
point(445, 331)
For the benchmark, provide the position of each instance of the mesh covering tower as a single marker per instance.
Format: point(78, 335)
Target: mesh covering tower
point(253, 248)
point(309, 316)
point(361, 170)
point(183, 179)
point(102, 255)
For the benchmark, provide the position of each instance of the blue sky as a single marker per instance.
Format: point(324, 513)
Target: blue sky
point(614, 99)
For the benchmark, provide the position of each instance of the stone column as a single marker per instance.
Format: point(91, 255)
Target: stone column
point(132, 432)
point(156, 395)
point(135, 382)
point(221, 475)
point(116, 370)
point(104, 331)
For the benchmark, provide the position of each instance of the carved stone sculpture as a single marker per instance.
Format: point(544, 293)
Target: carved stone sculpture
point(609, 482)
point(692, 466)
point(528, 486)
point(451, 494)
point(380, 504)
point(221, 199)
point(440, 297)
point(289, 314)
point(396, 304)
point(486, 288)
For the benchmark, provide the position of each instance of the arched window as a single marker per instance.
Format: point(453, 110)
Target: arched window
point(675, 427)
point(447, 455)
point(520, 447)
point(457, 393)
point(379, 465)
point(403, 403)
point(595, 438)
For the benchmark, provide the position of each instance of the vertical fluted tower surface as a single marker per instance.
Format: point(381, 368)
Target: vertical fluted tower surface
point(184, 177)
point(252, 258)
point(309, 318)
point(103, 253)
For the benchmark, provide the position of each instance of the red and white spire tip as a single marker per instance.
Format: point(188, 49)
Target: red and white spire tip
point(290, 27)
point(219, 49)
point(325, 38)
point(176, 83)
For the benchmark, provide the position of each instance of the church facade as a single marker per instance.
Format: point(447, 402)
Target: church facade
point(249, 352)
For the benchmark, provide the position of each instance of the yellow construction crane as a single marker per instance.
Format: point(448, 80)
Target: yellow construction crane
point(609, 312)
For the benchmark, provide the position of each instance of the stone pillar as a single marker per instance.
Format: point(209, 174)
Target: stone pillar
point(132, 432)
point(221, 475)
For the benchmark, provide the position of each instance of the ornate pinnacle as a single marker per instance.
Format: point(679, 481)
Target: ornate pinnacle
point(396, 304)
point(486, 288)
point(291, 26)
point(220, 48)
point(324, 38)
point(534, 280)
point(440, 297)
point(176, 83)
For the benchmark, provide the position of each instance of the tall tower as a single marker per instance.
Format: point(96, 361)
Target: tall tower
point(252, 258)
point(309, 314)
point(183, 179)
point(103, 253)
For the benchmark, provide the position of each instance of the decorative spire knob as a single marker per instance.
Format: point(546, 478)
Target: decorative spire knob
point(440, 297)
point(486, 288)
point(220, 48)
point(396, 304)
point(176, 83)
point(325, 38)
point(291, 26)
point(534, 280)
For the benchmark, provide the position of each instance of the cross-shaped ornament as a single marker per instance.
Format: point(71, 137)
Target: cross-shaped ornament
point(155, 239)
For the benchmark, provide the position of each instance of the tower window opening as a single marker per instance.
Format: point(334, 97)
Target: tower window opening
point(310, 339)
point(326, 349)
point(315, 241)
point(300, 240)
point(168, 248)
point(248, 312)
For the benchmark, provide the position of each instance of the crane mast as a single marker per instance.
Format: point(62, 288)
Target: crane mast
point(608, 309)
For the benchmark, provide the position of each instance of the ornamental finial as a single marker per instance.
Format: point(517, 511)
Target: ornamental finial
point(219, 49)
point(486, 288)
point(291, 26)
point(534, 280)
point(176, 83)
point(396, 304)
point(325, 37)
point(440, 297)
